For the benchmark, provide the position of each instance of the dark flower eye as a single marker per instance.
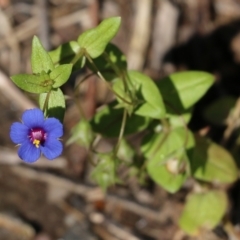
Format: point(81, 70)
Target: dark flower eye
point(37, 135)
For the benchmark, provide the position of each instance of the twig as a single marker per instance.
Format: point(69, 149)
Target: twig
point(109, 230)
point(16, 227)
point(134, 207)
point(9, 157)
point(164, 31)
point(14, 53)
point(232, 122)
point(80, 16)
point(89, 193)
point(22, 31)
point(90, 97)
point(15, 96)
point(44, 23)
point(54, 181)
point(230, 230)
point(103, 233)
point(141, 34)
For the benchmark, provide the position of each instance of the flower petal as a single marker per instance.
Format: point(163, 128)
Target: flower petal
point(33, 118)
point(28, 152)
point(53, 127)
point(18, 132)
point(52, 148)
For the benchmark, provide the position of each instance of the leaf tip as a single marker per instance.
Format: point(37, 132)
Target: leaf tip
point(35, 39)
point(118, 18)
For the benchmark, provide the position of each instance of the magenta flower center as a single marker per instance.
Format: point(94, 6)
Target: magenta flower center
point(37, 136)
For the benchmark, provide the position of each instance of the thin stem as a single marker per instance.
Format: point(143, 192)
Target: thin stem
point(77, 57)
point(124, 120)
point(120, 137)
point(101, 77)
point(128, 81)
point(121, 74)
point(166, 131)
point(114, 66)
point(75, 96)
point(83, 80)
point(46, 101)
point(80, 109)
point(118, 72)
point(89, 156)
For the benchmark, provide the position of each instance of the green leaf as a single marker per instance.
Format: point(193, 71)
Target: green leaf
point(147, 93)
point(108, 121)
point(168, 157)
point(218, 111)
point(55, 104)
point(212, 163)
point(61, 74)
point(104, 172)
point(203, 210)
point(95, 40)
point(40, 59)
point(81, 134)
point(65, 52)
point(112, 63)
point(182, 90)
point(163, 176)
point(33, 83)
point(125, 151)
point(181, 119)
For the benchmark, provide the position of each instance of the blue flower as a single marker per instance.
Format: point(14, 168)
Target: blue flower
point(37, 135)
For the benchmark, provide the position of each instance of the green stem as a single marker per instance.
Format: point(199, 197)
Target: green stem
point(89, 156)
point(46, 101)
point(124, 120)
point(82, 80)
point(122, 74)
point(166, 131)
point(120, 137)
point(118, 72)
point(80, 109)
point(82, 114)
point(101, 77)
point(114, 67)
point(77, 56)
